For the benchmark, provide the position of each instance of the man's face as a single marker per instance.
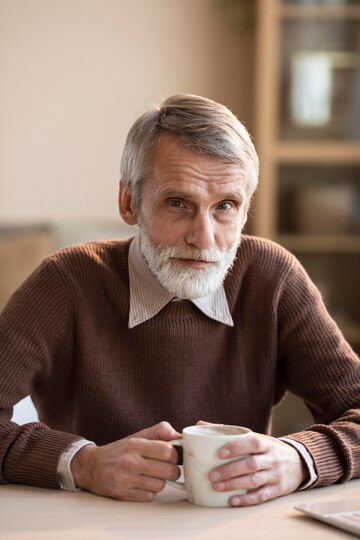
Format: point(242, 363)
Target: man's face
point(192, 211)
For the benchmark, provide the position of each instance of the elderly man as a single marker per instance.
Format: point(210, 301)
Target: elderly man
point(188, 321)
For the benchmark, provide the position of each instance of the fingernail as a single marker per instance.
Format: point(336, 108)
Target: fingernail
point(219, 486)
point(224, 453)
point(235, 501)
point(214, 475)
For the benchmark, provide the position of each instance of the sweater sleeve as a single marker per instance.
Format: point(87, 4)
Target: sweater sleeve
point(318, 365)
point(35, 334)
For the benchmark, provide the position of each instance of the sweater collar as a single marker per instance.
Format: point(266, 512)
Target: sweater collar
point(148, 297)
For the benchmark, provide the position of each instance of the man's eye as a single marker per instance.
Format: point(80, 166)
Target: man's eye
point(226, 205)
point(176, 203)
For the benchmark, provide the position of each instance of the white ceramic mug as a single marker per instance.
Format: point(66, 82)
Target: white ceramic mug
point(200, 455)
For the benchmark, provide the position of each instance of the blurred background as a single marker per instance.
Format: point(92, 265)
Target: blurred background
point(75, 75)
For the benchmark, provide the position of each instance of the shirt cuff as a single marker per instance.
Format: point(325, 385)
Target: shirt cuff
point(309, 462)
point(65, 476)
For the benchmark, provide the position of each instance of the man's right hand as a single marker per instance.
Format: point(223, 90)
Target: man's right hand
point(131, 469)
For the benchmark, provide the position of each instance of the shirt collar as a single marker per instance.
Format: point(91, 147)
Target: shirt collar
point(148, 297)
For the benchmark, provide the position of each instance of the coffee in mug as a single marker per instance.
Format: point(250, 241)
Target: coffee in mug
point(200, 455)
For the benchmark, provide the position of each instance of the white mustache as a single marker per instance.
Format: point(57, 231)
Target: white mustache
point(212, 255)
point(202, 259)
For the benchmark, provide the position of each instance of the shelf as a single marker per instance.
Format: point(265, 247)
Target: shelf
point(320, 243)
point(317, 152)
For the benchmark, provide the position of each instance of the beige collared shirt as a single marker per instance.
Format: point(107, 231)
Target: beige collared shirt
point(148, 297)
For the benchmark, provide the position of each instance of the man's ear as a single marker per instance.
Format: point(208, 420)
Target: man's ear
point(126, 206)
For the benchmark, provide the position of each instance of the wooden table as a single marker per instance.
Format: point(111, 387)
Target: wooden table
point(39, 514)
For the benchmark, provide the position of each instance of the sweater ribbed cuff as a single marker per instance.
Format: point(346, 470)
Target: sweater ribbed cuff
point(326, 459)
point(34, 459)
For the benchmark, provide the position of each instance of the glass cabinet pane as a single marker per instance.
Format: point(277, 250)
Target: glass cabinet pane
point(321, 2)
point(319, 200)
point(320, 78)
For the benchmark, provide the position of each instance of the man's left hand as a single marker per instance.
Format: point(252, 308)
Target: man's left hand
point(270, 469)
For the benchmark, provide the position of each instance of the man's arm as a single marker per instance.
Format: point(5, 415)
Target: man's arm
point(318, 365)
point(321, 368)
point(35, 334)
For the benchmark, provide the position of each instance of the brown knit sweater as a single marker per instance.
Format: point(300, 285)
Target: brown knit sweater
point(64, 339)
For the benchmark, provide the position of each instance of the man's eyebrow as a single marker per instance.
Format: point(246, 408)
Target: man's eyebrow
point(175, 194)
point(235, 194)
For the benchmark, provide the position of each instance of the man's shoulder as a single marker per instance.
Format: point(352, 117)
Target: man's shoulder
point(261, 268)
point(263, 260)
point(255, 249)
point(101, 253)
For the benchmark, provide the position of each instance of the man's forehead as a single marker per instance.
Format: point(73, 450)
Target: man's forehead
point(169, 143)
point(171, 152)
point(176, 167)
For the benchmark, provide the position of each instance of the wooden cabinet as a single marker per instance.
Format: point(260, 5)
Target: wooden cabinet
point(307, 134)
point(308, 137)
point(21, 250)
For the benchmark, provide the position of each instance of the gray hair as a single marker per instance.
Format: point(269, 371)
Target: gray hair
point(199, 123)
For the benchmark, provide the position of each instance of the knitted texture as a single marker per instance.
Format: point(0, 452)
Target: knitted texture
point(64, 339)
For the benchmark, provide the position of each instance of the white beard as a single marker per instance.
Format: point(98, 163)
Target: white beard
point(182, 282)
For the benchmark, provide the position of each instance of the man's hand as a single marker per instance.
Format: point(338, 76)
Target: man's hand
point(272, 468)
point(131, 469)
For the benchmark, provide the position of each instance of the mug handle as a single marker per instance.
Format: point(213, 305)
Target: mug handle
point(176, 483)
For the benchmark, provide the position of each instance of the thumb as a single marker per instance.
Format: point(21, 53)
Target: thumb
point(160, 432)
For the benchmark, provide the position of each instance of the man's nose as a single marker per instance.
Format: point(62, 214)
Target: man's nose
point(200, 233)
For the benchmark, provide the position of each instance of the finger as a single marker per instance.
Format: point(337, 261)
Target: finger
point(159, 470)
point(148, 483)
point(136, 495)
point(240, 467)
point(258, 496)
point(158, 450)
point(127, 487)
point(135, 463)
point(250, 481)
point(252, 443)
point(163, 431)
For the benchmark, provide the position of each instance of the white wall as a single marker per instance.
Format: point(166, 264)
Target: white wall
point(25, 412)
point(74, 76)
